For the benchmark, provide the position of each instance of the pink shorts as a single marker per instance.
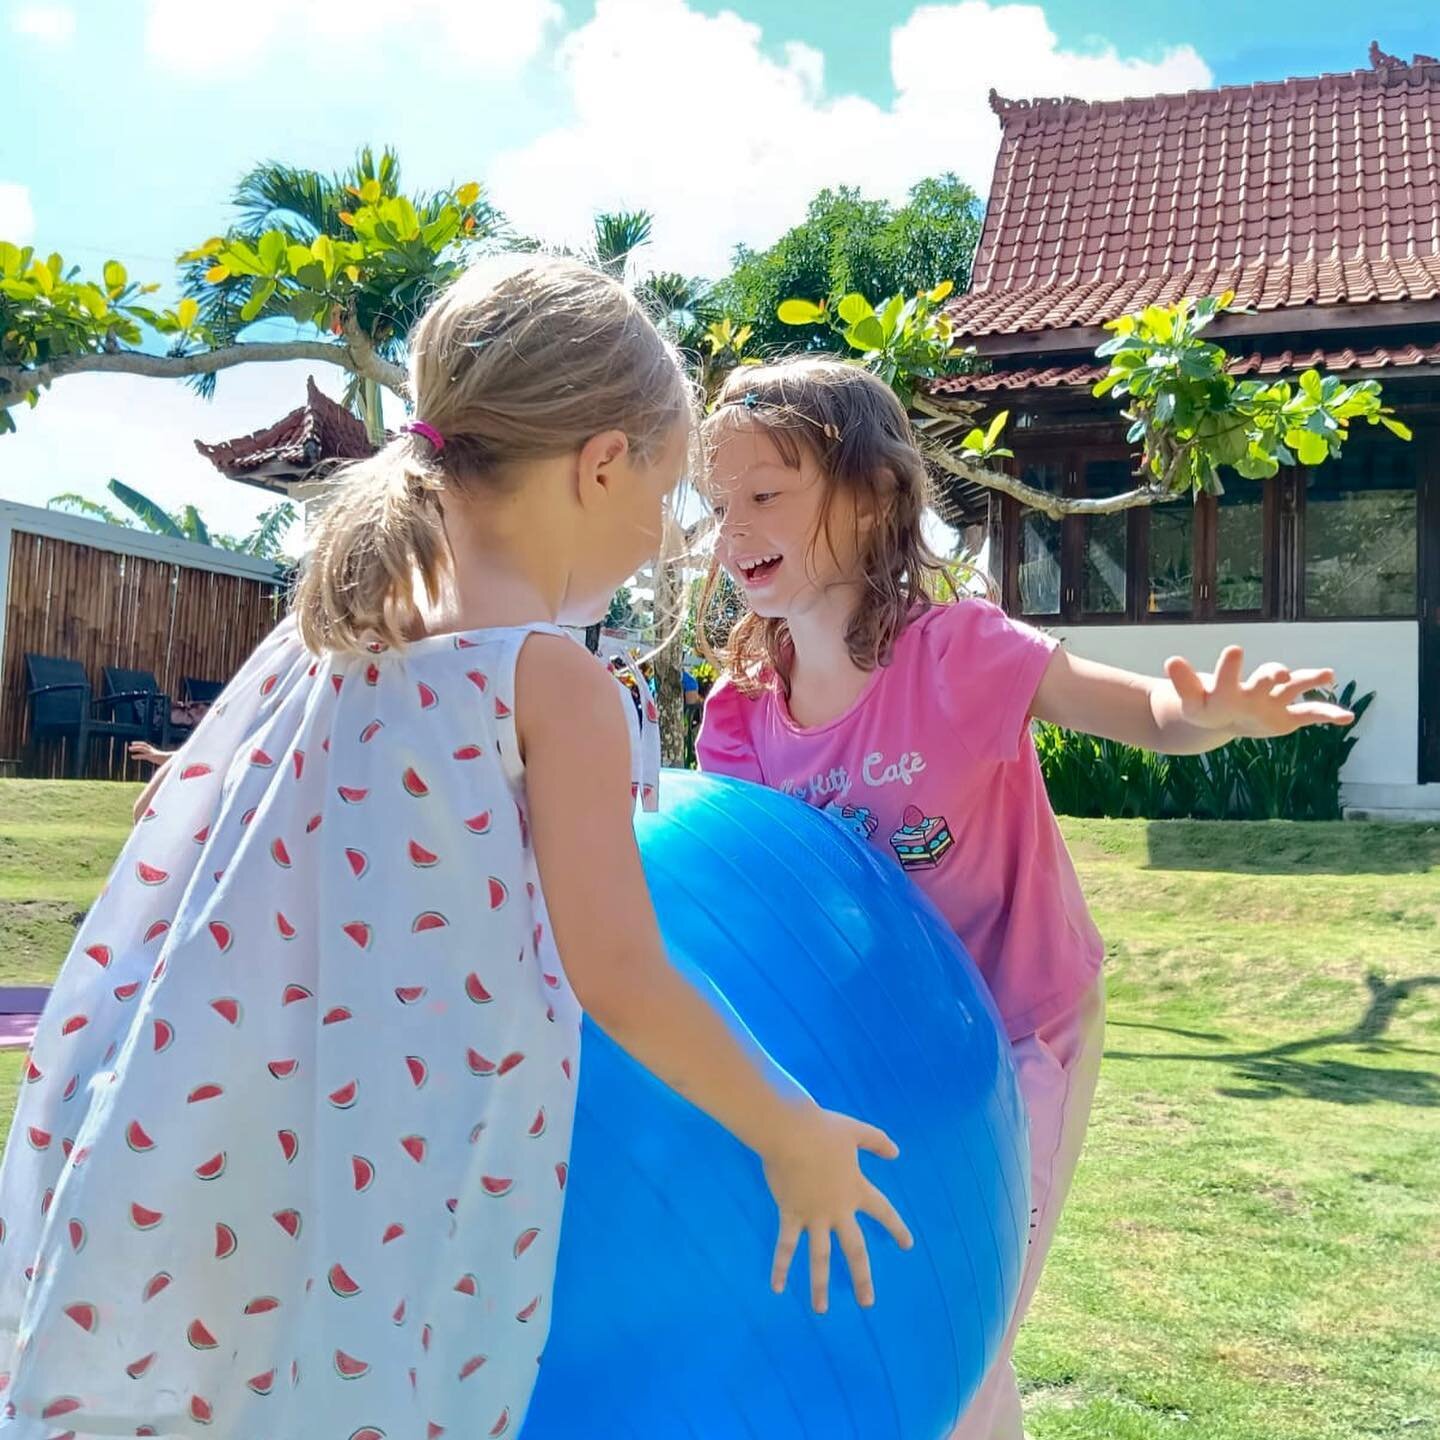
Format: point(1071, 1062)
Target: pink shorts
point(1057, 1067)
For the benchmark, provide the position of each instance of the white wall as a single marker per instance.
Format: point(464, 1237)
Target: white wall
point(1383, 656)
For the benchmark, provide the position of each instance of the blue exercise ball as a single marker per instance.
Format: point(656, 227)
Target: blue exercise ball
point(664, 1325)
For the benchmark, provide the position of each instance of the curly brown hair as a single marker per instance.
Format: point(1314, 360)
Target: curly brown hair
point(855, 430)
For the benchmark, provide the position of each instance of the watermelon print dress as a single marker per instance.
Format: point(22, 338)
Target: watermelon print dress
point(291, 1149)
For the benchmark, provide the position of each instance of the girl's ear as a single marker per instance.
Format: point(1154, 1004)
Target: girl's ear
point(598, 465)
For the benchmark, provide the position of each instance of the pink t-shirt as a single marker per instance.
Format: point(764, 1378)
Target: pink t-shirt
point(934, 765)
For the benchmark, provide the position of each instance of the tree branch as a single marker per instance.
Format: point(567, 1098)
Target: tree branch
point(368, 362)
point(1055, 506)
point(356, 355)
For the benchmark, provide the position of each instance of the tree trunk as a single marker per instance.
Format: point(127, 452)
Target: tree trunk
point(374, 415)
point(669, 691)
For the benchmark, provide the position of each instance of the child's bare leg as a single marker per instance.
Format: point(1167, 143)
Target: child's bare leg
point(1057, 1068)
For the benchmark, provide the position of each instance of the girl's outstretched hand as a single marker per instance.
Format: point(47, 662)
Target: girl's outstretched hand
point(1269, 702)
point(813, 1171)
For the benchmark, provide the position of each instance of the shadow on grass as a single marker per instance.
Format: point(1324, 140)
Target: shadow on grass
point(1281, 1071)
point(1289, 847)
point(1213, 1035)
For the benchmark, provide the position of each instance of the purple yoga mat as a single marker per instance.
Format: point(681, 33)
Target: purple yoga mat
point(20, 1008)
point(16, 1031)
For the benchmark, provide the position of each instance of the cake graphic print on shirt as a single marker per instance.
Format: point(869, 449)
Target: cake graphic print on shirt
point(921, 841)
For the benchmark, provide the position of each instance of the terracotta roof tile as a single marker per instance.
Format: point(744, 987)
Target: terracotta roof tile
point(320, 429)
point(1281, 362)
point(1322, 190)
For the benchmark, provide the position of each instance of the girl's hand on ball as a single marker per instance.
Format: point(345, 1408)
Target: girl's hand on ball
point(814, 1174)
point(1269, 702)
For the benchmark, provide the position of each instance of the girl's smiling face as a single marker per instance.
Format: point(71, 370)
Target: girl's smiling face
point(774, 535)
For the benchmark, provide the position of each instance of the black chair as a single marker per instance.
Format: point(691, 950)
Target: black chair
point(196, 697)
point(135, 698)
point(62, 707)
point(201, 692)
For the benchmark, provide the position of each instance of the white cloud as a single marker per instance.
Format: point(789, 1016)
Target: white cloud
point(54, 24)
point(490, 34)
point(17, 219)
point(736, 154)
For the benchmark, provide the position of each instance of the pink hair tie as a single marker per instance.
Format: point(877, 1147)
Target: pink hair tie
point(419, 427)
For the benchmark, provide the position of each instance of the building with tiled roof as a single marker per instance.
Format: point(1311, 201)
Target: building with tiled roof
point(281, 457)
point(1317, 200)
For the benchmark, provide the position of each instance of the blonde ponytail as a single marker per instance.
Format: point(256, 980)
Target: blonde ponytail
point(523, 358)
point(376, 534)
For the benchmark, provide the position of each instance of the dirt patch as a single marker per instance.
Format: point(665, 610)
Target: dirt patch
point(1254, 1361)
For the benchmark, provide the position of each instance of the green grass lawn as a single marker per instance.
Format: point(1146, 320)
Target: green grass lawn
point(1252, 1248)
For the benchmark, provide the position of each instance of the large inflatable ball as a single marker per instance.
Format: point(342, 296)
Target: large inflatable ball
point(664, 1325)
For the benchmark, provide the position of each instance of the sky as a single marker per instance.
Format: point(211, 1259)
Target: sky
point(125, 123)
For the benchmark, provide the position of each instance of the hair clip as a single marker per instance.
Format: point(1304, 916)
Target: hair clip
point(750, 399)
point(831, 431)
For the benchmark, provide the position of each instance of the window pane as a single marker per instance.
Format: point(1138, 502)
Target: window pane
point(1040, 545)
point(1360, 533)
point(1172, 557)
point(1102, 575)
point(1039, 564)
point(1240, 546)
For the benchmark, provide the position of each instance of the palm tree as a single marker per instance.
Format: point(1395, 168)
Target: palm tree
point(682, 307)
point(618, 235)
point(306, 204)
point(264, 541)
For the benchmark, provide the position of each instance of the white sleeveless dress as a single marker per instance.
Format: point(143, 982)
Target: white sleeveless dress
point(290, 1154)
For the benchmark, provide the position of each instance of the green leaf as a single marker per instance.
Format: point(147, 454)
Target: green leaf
point(854, 308)
point(800, 312)
point(1396, 427)
point(940, 291)
point(186, 312)
point(240, 259)
point(272, 250)
point(312, 276)
point(194, 526)
point(996, 426)
point(1256, 465)
point(1310, 448)
point(1159, 321)
point(259, 297)
point(868, 334)
point(1310, 384)
point(150, 514)
point(115, 277)
point(442, 230)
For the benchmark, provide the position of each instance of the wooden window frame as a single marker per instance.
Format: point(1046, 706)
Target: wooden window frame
point(1297, 612)
point(1203, 610)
